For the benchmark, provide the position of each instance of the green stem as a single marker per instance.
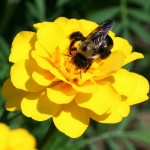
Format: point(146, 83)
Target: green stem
point(47, 136)
point(101, 137)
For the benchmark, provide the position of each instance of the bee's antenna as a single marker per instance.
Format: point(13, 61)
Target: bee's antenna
point(67, 55)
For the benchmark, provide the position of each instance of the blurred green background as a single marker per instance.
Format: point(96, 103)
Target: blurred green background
point(132, 21)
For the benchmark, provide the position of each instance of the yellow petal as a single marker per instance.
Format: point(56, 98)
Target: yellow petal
point(42, 77)
point(4, 136)
point(110, 64)
point(41, 51)
point(100, 101)
point(122, 110)
point(106, 118)
point(88, 26)
point(84, 77)
point(12, 95)
point(124, 82)
point(49, 35)
point(24, 37)
point(22, 45)
point(57, 73)
point(38, 25)
point(15, 141)
point(62, 23)
point(64, 46)
point(21, 76)
point(41, 62)
point(71, 120)
point(122, 45)
point(133, 56)
point(85, 88)
point(140, 92)
point(61, 93)
point(69, 25)
point(38, 107)
point(73, 25)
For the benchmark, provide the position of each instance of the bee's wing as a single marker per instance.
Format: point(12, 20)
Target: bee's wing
point(99, 34)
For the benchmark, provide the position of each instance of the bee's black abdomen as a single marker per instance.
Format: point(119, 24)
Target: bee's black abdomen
point(80, 61)
point(109, 42)
point(104, 53)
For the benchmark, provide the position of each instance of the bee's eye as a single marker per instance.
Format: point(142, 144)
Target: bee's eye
point(84, 48)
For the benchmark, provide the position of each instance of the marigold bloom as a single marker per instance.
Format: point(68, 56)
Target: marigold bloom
point(44, 83)
point(17, 139)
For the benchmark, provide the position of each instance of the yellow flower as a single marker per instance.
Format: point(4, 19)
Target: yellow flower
point(17, 139)
point(44, 83)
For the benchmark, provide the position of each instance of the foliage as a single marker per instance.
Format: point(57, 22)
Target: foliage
point(132, 22)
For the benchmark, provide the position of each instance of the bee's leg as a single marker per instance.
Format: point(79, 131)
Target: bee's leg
point(76, 36)
point(89, 64)
point(104, 53)
point(72, 49)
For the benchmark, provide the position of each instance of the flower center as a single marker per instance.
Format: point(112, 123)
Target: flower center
point(70, 67)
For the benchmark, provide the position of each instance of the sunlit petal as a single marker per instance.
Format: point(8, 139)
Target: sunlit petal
point(12, 95)
point(100, 101)
point(61, 93)
point(38, 107)
point(21, 76)
point(71, 120)
point(141, 90)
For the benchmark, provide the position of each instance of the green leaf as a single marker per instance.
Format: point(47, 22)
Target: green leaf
point(117, 27)
point(126, 35)
point(140, 31)
point(125, 122)
point(142, 135)
point(4, 49)
point(41, 9)
point(103, 14)
point(60, 3)
point(32, 9)
point(139, 14)
point(140, 2)
point(112, 144)
point(128, 144)
point(92, 147)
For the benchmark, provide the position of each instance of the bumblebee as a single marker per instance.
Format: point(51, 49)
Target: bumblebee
point(97, 44)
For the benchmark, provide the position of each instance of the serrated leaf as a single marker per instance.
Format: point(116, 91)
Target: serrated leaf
point(103, 14)
point(140, 31)
point(140, 135)
point(139, 14)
